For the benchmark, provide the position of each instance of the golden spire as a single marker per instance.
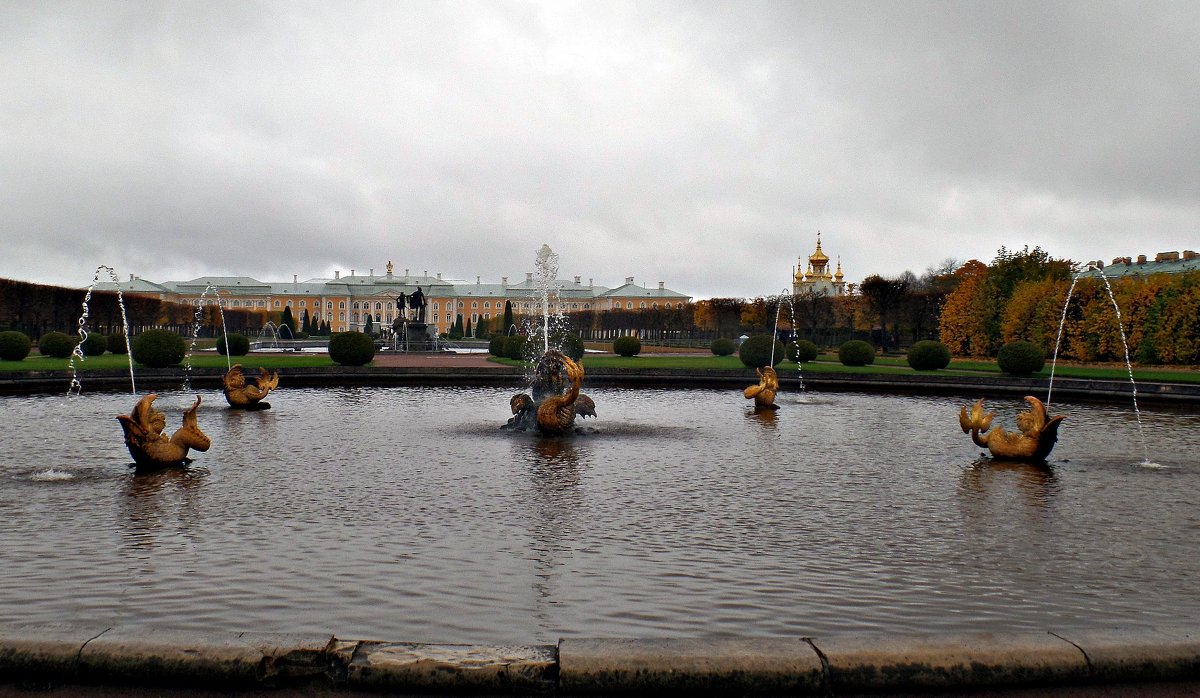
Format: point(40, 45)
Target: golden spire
point(390, 265)
point(839, 276)
point(818, 256)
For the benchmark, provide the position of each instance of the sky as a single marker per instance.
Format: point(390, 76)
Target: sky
point(701, 144)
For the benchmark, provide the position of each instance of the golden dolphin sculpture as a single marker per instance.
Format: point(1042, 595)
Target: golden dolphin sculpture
point(248, 393)
point(147, 443)
point(763, 394)
point(1036, 438)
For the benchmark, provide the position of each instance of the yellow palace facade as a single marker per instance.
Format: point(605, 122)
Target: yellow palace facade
point(347, 301)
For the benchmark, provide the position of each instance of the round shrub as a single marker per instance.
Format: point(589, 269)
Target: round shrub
point(1021, 358)
point(723, 346)
point(117, 344)
point(351, 348)
point(928, 355)
point(95, 344)
point(756, 351)
point(158, 348)
point(56, 344)
point(856, 353)
point(627, 345)
point(498, 345)
point(514, 348)
point(14, 346)
point(239, 344)
point(570, 344)
point(802, 350)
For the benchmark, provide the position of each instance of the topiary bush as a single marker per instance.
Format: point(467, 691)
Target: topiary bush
point(1021, 358)
point(723, 346)
point(95, 344)
point(627, 345)
point(756, 351)
point(158, 348)
point(117, 344)
point(14, 346)
point(56, 344)
point(239, 344)
point(498, 345)
point(928, 355)
point(802, 350)
point(570, 344)
point(514, 348)
point(856, 353)
point(351, 348)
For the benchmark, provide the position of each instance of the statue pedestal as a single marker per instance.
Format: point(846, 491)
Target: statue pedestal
point(418, 336)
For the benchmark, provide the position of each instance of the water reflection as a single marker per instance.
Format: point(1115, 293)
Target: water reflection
point(767, 420)
point(147, 498)
point(987, 477)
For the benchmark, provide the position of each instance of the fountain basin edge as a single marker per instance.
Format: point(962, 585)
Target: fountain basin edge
point(608, 666)
point(1085, 390)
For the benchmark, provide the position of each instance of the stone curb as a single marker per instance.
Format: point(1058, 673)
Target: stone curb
point(1064, 388)
point(582, 667)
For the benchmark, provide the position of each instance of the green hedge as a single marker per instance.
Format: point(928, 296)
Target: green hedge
point(723, 346)
point(627, 345)
point(856, 353)
point(1021, 358)
point(928, 355)
point(56, 344)
point(803, 350)
point(239, 344)
point(158, 348)
point(14, 346)
point(756, 351)
point(117, 344)
point(351, 348)
point(95, 344)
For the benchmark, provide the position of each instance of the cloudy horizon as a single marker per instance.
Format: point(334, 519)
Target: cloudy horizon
point(699, 144)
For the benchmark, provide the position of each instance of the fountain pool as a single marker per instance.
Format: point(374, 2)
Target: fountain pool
point(405, 513)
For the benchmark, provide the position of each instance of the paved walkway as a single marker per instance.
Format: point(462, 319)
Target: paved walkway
point(399, 359)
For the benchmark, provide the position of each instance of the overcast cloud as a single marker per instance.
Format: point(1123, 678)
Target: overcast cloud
point(702, 144)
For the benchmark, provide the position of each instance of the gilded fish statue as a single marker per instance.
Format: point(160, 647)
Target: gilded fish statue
point(763, 394)
point(248, 393)
point(149, 445)
point(1036, 438)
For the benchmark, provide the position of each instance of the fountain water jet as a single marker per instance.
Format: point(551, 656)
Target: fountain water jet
point(1124, 345)
point(555, 378)
point(77, 353)
point(196, 321)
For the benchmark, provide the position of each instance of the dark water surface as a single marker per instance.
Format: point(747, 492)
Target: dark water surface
point(404, 514)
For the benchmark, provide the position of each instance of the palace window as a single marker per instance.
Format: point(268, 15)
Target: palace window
point(629, 305)
point(474, 304)
point(303, 304)
point(329, 305)
point(642, 305)
point(276, 304)
point(342, 305)
point(378, 306)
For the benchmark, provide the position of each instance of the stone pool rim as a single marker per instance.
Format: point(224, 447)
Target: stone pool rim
point(824, 665)
point(1073, 389)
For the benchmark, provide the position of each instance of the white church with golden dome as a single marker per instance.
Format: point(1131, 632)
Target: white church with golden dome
point(817, 278)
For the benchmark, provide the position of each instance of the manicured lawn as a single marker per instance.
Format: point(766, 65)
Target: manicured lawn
point(827, 363)
point(35, 362)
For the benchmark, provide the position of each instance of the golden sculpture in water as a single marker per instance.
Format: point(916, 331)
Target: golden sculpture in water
point(147, 443)
point(556, 399)
point(763, 394)
point(248, 393)
point(1037, 436)
point(556, 413)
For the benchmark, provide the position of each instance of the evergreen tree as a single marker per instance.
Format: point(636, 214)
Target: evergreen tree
point(458, 325)
point(289, 322)
point(306, 323)
point(508, 317)
point(468, 332)
point(368, 328)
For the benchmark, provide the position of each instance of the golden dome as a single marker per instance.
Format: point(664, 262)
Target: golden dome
point(818, 256)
